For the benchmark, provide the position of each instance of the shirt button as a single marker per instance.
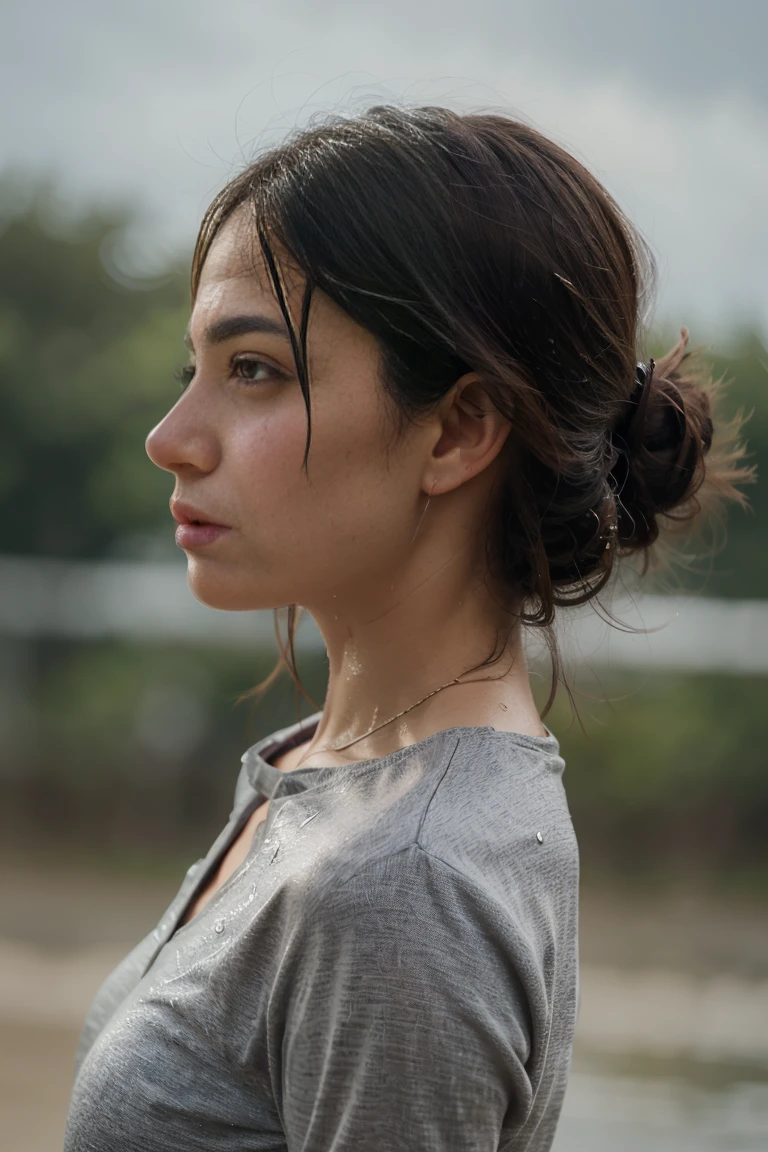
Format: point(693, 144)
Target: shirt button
point(219, 926)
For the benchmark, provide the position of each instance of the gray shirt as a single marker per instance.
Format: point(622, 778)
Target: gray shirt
point(392, 967)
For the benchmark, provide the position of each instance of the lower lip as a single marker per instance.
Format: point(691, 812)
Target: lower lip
point(189, 536)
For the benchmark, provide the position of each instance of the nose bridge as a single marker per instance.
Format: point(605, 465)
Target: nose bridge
point(186, 436)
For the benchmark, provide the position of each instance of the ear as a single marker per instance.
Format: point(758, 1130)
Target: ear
point(470, 433)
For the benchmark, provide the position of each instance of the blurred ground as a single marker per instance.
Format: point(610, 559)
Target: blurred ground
point(672, 1047)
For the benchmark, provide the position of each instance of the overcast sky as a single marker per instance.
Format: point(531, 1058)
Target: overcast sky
point(159, 100)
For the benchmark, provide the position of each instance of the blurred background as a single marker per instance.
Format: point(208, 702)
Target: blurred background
point(119, 735)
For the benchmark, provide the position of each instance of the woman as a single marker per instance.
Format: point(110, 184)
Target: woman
point(414, 409)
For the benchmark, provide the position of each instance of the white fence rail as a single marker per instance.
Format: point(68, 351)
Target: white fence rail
point(151, 601)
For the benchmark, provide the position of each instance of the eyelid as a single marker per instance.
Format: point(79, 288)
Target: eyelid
point(253, 358)
point(185, 374)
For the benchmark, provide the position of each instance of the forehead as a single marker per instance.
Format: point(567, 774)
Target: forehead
point(234, 271)
point(234, 281)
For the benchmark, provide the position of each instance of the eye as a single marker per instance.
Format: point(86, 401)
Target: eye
point(253, 371)
point(249, 369)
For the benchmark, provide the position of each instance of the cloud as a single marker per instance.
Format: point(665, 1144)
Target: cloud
point(666, 101)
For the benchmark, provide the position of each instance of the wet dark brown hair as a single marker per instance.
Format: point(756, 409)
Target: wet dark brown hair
point(474, 243)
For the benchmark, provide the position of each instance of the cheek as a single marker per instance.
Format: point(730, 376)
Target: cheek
point(360, 502)
point(266, 456)
point(354, 501)
point(274, 505)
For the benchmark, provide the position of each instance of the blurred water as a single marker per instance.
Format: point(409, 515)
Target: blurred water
point(706, 1108)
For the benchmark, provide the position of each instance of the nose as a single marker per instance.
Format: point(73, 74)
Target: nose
point(183, 440)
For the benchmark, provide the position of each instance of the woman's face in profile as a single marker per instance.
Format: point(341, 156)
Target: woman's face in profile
point(235, 441)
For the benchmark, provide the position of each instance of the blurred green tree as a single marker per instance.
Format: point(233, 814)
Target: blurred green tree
point(86, 369)
point(742, 568)
point(728, 557)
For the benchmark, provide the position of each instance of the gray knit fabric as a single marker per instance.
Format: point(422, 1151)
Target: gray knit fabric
point(393, 966)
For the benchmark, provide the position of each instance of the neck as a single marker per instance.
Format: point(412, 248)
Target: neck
point(402, 639)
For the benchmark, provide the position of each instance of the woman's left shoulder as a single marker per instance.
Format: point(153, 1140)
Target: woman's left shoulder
point(501, 793)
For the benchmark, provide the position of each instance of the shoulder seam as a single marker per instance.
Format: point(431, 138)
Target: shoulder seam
point(425, 852)
point(427, 806)
point(466, 882)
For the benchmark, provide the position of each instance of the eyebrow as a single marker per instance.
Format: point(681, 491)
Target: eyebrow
point(233, 326)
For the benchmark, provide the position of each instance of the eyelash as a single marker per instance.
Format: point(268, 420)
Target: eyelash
point(185, 375)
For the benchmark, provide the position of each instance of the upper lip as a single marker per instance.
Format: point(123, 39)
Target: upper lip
point(188, 514)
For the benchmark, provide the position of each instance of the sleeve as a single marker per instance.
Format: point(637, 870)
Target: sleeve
point(406, 1026)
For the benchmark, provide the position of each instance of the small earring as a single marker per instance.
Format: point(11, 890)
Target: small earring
point(424, 512)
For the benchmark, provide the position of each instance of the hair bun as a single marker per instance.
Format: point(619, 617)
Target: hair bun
point(659, 447)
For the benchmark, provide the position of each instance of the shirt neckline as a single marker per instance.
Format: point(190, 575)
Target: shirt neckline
point(268, 780)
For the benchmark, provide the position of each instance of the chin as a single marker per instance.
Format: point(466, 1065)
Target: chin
point(222, 590)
